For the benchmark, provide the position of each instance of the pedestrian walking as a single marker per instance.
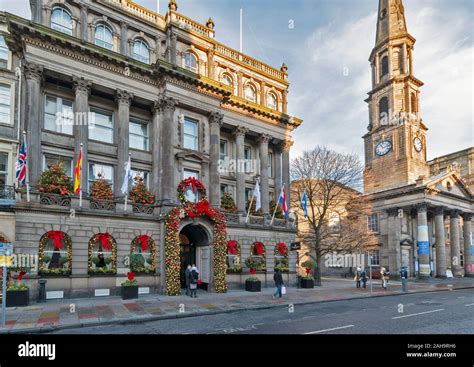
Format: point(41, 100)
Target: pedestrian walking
point(278, 278)
point(187, 279)
point(363, 277)
point(194, 278)
point(357, 277)
point(385, 275)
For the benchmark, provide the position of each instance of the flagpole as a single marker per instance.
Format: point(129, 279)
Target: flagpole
point(250, 207)
point(276, 207)
point(26, 168)
point(127, 178)
point(80, 176)
point(241, 29)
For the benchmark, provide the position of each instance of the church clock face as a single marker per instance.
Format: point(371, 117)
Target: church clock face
point(418, 144)
point(383, 148)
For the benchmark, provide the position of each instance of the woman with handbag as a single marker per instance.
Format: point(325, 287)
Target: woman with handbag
point(278, 278)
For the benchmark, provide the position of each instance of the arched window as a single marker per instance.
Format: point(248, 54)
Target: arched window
point(414, 103)
point(102, 254)
point(272, 101)
point(383, 110)
point(143, 255)
point(281, 257)
point(227, 80)
point(104, 37)
point(55, 253)
point(141, 51)
point(257, 250)
point(233, 257)
point(61, 20)
point(250, 93)
point(190, 62)
point(384, 66)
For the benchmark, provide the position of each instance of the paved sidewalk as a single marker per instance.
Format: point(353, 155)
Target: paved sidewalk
point(62, 314)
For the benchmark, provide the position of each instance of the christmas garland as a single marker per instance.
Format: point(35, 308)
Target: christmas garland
point(58, 238)
point(108, 243)
point(172, 243)
point(258, 249)
point(146, 243)
point(233, 248)
point(281, 251)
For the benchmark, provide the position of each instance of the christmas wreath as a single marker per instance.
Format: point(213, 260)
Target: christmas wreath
point(138, 263)
point(196, 187)
point(62, 262)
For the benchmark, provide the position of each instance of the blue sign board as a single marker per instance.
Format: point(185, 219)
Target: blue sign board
point(423, 248)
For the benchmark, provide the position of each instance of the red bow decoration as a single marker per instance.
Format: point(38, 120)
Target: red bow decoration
point(282, 248)
point(308, 270)
point(144, 241)
point(259, 249)
point(104, 239)
point(57, 237)
point(193, 182)
point(253, 271)
point(130, 276)
point(232, 247)
point(199, 281)
point(20, 275)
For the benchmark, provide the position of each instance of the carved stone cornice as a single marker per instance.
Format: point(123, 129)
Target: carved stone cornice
point(165, 103)
point(240, 131)
point(216, 118)
point(454, 213)
point(286, 145)
point(81, 85)
point(122, 96)
point(32, 71)
point(264, 139)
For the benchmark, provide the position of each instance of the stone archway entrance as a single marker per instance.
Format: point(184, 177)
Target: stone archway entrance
point(195, 249)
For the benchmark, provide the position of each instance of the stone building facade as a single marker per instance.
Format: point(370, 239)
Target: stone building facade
point(128, 82)
point(422, 210)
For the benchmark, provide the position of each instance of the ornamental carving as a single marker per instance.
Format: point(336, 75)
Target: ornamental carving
point(264, 139)
point(240, 131)
point(286, 145)
point(81, 85)
point(32, 71)
point(122, 96)
point(165, 103)
point(216, 118)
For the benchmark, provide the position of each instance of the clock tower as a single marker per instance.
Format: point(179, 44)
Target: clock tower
point(395, 144)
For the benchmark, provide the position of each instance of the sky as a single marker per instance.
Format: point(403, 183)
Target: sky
point(326, 45)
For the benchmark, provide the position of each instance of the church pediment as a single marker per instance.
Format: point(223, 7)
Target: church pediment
point(448, 183)
point(193, 156)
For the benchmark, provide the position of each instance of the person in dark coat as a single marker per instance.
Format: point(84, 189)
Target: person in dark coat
point(187, 279)
point(193, 282)
point(278, 278)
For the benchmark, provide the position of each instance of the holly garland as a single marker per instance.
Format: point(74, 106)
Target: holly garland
point(58, 238)
point(172, 242)
point(108, 244)
point(281, 250)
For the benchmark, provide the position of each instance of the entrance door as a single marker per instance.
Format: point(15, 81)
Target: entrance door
point(188, 257)
point(406, 259)
point(203, 257)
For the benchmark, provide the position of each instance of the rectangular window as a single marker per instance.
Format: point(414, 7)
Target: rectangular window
point(53, 159)
point(3, 52)
point(3, 168)
point(374, 257)
point(143, 174)
point(190, 195)
point(248, 194)
point(102, 126)
point(223, 150)
point(373, 223)
point(138, 135)
point(248, 159)
point(270, 164)
point(58, 115)
point(190, 134)
point(5, 104)
point(106, 171)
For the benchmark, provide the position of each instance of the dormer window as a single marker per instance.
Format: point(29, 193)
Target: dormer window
point(61, 20)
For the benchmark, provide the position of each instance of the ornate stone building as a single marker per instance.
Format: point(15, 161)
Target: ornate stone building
point(422, 210)
point(126, 81)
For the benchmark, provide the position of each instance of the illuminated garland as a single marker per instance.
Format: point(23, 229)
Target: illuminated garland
point(233, 248)
point(44, 240)
point(258, 249)
point(99, 237)
point(145, 242)
point(172, 242)
point(281, 250)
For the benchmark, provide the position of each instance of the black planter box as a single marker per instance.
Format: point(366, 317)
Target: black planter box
point(130, 292)
point(307, 283)
point(18, 298)
point(253, 286)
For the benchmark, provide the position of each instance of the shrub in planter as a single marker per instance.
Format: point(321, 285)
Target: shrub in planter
point(101, 190)
point(55, 180)
point(228, 203)
point(139, 194)
point(130, 287)
point(18, 294)
point(253, 284)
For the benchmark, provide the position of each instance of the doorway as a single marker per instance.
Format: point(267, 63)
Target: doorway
point(195, 249)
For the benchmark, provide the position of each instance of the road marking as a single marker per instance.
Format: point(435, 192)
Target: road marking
point(416, 314)
point(325, 330)
point(469, 304)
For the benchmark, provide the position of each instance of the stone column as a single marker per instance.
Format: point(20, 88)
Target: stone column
point(34, 77)
point(210, 64)
point(155, 149)
point(216, 119)
point(285, 167)
point(82, 88)
point(239, 134)
point(468, 245)
point(167, 166)
point(284, 102)
point(240, 84)
point(440, 242)
point(124, 38)
point(278, 176)
point(394, 234)
point(423, 241)
point(124, 99)
point(455, 244)
point(173, 49)
point(263, 149)
point(84, 25)
point(263, 102)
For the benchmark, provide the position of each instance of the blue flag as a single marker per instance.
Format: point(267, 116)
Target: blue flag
point(304, 204)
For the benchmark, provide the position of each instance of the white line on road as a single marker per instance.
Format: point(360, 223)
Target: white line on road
point(416, 314)
point(469, 304)
point(335, 328)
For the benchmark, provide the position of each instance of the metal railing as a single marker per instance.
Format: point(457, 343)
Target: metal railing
point(7, 192)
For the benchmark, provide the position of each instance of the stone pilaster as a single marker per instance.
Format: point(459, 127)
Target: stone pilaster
point(239, 134)
point(173, 48)
point(216, 119)
point(264, 192)
point(240, 84)
point(394, 235)
point(284, 102)
point(84, 26)
point(277, 174)
point(124, 100)
point(167, 106)
point(82, 89)
point(34, 77)
point(455, 244)
point(423, 241)
point(285, 167)
point(468, 245)
point(124, 38)
point(155, 135)
point(36, 7)
point(440, 242)
point(210, 64)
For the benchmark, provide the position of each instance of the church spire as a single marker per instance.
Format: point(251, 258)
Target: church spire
point(391, 20)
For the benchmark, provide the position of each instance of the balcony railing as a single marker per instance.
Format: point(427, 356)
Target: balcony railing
point(7, 192)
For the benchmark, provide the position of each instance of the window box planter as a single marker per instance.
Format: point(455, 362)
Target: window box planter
point(143, 208)
point(18, 298)
point(102, 204)
point(129, 292)
point(307, 283)
point(54, 199)
point(253, 286)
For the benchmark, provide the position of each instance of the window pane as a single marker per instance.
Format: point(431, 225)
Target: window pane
point(50, 122)
point(102, 127)
point(190, 195)
point(189, 142)
point(106, 171)
point(3, 162)
point(190, 127)
point(66, 161)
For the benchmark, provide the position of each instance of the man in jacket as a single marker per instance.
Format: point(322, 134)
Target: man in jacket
point(187, 278)
point(278, 278)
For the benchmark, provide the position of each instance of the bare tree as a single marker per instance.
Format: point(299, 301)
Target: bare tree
point(329, 179)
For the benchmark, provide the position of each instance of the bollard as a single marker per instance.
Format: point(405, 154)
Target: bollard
point(42, 291)
point(405, 285)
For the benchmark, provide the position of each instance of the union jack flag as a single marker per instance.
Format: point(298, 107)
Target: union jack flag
point(21, 165)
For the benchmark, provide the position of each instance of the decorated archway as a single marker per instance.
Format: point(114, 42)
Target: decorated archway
point(190, 210)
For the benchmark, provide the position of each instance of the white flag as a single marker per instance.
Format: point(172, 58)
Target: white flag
point(126, 178)
point(256, 193)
